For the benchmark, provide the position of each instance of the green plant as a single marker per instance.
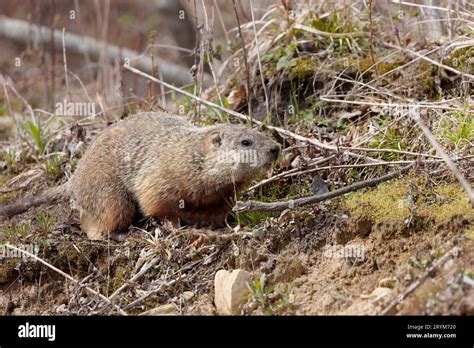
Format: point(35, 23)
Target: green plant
point(391, 136)
point(39, 134)
point(339, 23)
point(15, 231)
point(260, 291)
point(270, 299)
point(10, 157)
point(45, 222)
point(458, 129)
point(52, 166)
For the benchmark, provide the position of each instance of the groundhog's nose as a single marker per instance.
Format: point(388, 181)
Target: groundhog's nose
point(274, 152)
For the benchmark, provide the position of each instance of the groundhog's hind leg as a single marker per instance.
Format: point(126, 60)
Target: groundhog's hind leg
point(116, 214)
point(90, 225)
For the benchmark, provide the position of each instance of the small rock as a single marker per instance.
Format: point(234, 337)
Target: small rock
point(229, 290)
point(187, 295)
point(378, 295)
point(387, 283)
point(318, 186)
point(61, 309)
point(165, 309)
point(468, 280)
point(448, 265)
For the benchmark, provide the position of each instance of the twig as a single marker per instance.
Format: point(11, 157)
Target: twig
point(259, 61)
point(453, 252)
point(221, 20)
point(434, 62)
point(144, 297)
point(371, 36)
point(92, 291)
point(209, 29)
point(10, 109)
point(398, 2)
point(65, 66)
point(402, 152)
point(355, 102)
point(244, 50)
point(135, 278)
point(276, 206)
point(415, 115)
point(291, 171)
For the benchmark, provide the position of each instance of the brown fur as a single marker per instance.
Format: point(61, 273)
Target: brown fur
point(167, 168)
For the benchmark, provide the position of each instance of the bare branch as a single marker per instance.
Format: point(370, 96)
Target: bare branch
point(276, 206)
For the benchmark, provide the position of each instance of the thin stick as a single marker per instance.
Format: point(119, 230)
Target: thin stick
point(144, 297)
point(364, 165)
point(210, 59)
point(368, 149)
point(371, 36)
point(244, 50)
point(415, 115)
point(134, 278)
point(259, 61)
point(10, 109)
point(65, 65)
point(398, 2)
point(221, 20)
point(92, 291)
point(355, 102)
point(276, 206)
point(284, 174)
point(453, 252)
point(434, 62)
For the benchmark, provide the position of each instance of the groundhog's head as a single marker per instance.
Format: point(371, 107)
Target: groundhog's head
point(241, 152)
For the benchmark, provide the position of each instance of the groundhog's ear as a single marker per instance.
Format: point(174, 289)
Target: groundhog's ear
point(216, 138)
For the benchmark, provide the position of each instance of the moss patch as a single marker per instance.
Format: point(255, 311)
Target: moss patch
point(303, 68)
point(461, 59)
point(390, 203)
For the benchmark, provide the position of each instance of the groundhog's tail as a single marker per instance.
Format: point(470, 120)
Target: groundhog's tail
point(52, 195)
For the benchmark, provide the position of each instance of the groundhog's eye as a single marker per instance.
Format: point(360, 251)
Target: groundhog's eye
point(246, 142)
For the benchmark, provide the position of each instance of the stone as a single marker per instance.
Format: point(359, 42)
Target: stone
point(187, 295)
point(389, 282)
point(379, 295)
point(230, 289)
point(166, 309)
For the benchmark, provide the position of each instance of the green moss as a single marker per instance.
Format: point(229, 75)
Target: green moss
point(365, 66)
point(461, 59)
point(119, 278)
point(303, 68)
point(452, 201)
point(7, 270)
point(390, 203)
point(387, 203)
point(385, 67)
point(426, 79)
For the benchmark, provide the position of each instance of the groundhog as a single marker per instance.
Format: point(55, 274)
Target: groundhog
point(163, 166)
